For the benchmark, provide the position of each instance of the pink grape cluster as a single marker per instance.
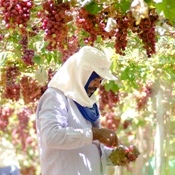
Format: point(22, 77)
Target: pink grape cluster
point(93, 24)
point(54, 23)
point(30, 90)
point(21, 133)
point(121, 34)
point(107, 101)
point(146, 32)
point(28, 54)
point(143, 95)
point(5, 113)
point(107, 98)
point(16, 12)
point(23, 117)
point(87, 22)
point(12, 87)
point(72, 47)
point(110, 120)
point(24, 42)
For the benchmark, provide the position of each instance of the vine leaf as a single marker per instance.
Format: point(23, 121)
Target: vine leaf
point(93, 8)
point(123, 6)
point(168, 9)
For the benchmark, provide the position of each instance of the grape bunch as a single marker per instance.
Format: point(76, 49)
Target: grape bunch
point(121, 34)
point(146, 32)
point(93, 24)
point(23, 117)
point(143, 95)
point(123, 155)
point(5, 113)
point(28, 54)
point(110, 120)
point(87, 22)
point(54, 23)
point(72, 47)
point(30, 90)
point(12, 87)
point(24, 42)
point(16, 13)
point(107, 101)
point(107, 98)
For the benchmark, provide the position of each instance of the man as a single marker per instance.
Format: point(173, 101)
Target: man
point(70, 138)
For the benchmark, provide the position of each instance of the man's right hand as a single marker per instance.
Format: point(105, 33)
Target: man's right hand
point(105, 136)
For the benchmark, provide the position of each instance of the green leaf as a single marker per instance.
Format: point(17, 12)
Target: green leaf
point(37, 59)
point(123, 5)
point(111, 85)
point(57, 57)
point(125, 74)
point(93, 7)
point(49, 58)
point(168, 8)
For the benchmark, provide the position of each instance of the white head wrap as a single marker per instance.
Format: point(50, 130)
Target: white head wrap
point(75, 72)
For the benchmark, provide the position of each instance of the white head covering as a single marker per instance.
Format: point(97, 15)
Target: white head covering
point(75, 72)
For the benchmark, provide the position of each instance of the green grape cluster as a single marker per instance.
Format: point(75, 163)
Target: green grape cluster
point(123, 155)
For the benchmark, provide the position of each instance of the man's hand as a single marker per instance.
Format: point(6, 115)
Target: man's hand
point(105, 136)
point(123, 155)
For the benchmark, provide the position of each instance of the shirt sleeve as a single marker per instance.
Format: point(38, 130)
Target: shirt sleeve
point(106, 151)
point(52, 124)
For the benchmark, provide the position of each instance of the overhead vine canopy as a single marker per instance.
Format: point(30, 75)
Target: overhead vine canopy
point(29, 26)
point(36, 33)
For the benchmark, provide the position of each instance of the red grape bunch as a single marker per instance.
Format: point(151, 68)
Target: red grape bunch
point(72, 47)
point(110, 120)
point(107, 98)
point(16, 12)
point(93, 24)
point(123, 155)
point(24, 42)
point(28, 54)
point(107, 101)
point(5, 113)
point(143, 95)
point(12, 87)
point(23, 117)
point(21, 133)
point(30, 89)
point(54, 23)
point(87, 22)
point(146, 32)
point(123, 23)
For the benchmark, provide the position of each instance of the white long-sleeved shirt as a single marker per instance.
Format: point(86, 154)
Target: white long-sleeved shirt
point(65, 138)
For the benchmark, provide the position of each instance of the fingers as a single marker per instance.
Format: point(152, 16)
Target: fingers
point(110, 139)
point(105, 136)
